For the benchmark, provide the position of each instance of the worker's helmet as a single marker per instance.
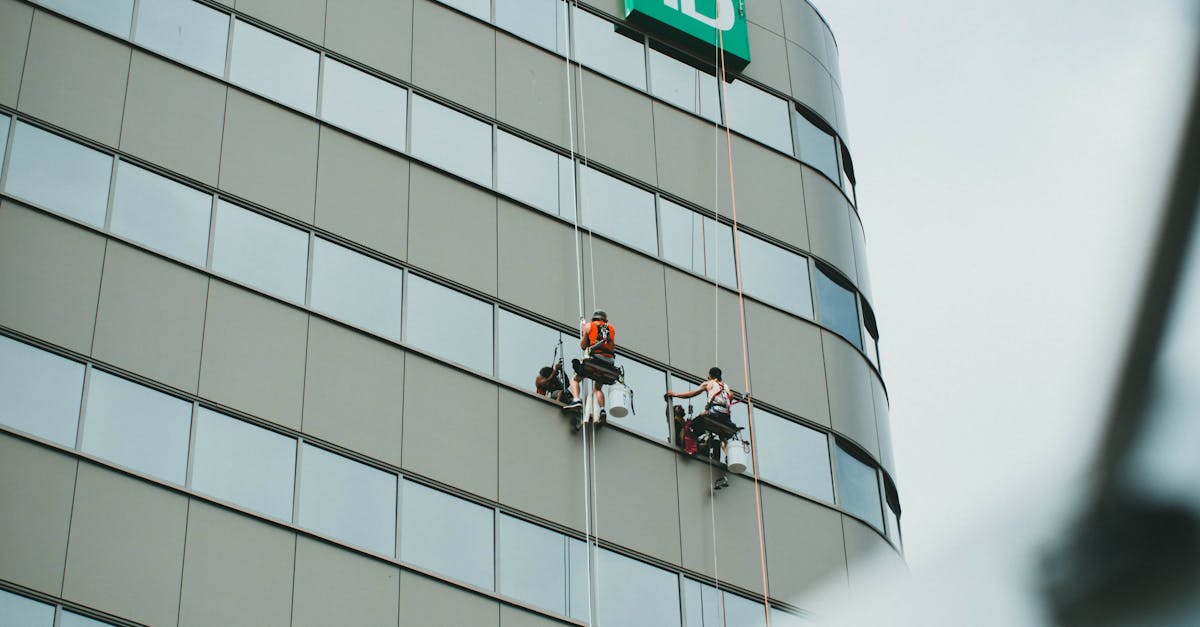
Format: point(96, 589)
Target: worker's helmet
point(600, 314)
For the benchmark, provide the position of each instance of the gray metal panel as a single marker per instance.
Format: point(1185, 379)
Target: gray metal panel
point(686, 148)
point(515, 617)
point(883, 425)
point(851, 403)
point(829, 222)
point(767, 14)
point(51, 278)
point(14, 37)
point(691, 326)
point(36, 485)
point(174, 117)
point(736, 538)
point(618, 126)
point(541, 461)
point(362, 193)
point(236, 570)
point(454, 56)
point(530, 89)
point(870, 558)
point(452, 229)
point(615, 8)
point(770, 58)
point(537, 268)
point(787, 364)
point(630, 288)
point(151, 316)
point(254, 354)
point(804, 544)
point(768, 192)
point(269, 155)
point(125, 553)
point(635, 504)
point(450, 422)
point(375, 32)
point(426, 602)
point(301, 17)
point(353, 392)
point(75, 78)
point(802, 25)
point(810, 83)
point(339, 587)
point(858, 241)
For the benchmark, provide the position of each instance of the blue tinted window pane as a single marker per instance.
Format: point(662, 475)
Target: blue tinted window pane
point(347, 500)
point(164, 215)
point(19, 611)
point(542, 22)
point(357, 289)
point(617, 209)
point(793, 456)
point(684, 86)
point(274, 67)
point(447, 534)
point(244, 464)
point(70, 619)
point(260, 252)
point(524, 347)
point(39, 392)
point(759, 115)
point(4, 123)
point(635, 594)
point(704, 605)
point(113, 16)
point(648, 385)
point(815, 147)
point(566, 188)
point(449, 324)
point(188, 31)
point(527, 172)
point(858, 486)
point(453, 141)
point(578, 595)
point(137, 427)
point(839, 310)
point(364, 105)
point(532, 563)
point(697, 243)
point(599, 46)
point(481, 9)
point(776, 276)
point(58, 174)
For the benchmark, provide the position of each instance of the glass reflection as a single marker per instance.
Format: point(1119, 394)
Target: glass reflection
point(274, 67)
point(527, 172)
point(542, 22)
point(524, 347)
point(447, 535)
point(648, 385)
point(137, 427)
point(347, 500)
point(481, 9)
point(758, 115)
point(39, 392)
point(839, 308)
point(260, 252)
point(776, 276)
point(635, 594)
point(20, 611)
point(706, 606)
point(244, 464)
point(617, 209)
point(684, 86)
point(4, 123)
point(793, 456)
point(356, 288)
point(164, 215)
point(578, 594)
point(453, 141)
point(58, 174)
point(858, 486)
point(363, 104)
point(532, 564)
point(599, 46)
point(449, 324)
point(113, 16)
point(186, 31)
point(816, 147)
point(697, 243)
point(70, 619)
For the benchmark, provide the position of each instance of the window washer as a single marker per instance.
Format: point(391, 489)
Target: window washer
point(683, 431)
point(551, 383)
point(714, 427)
point(598, 340)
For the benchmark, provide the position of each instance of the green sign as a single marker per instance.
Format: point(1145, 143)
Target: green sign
point(695, 24)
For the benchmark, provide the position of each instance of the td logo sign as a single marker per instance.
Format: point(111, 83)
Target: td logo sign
point(695, 24)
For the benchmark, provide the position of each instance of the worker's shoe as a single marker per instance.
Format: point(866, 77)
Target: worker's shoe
point(574, 404)
point(603, 418)
point(721, 482)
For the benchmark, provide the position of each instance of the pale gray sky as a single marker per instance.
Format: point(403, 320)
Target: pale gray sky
point(1011, 158)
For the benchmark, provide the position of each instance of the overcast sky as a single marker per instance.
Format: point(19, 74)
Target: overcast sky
point(1011, 159)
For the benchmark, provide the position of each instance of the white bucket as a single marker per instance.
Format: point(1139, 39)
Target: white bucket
point(737, 452)
point(619, 400)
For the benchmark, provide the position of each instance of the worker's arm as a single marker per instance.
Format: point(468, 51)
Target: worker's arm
point(686, 394)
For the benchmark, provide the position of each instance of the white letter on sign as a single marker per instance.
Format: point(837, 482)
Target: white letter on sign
point(723, 21)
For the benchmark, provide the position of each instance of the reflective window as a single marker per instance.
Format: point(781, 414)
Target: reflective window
point(534, 175)
point(578, 594)
point(759, 115)
point(648, 385)
point(893, 526)
point(244, 464)
point(858, 486)
point(113, 16)
point(776, 276)
point(348, 500)
point(684, 86)
point(58, 174)
point(839, 309)
point(793, 456)
point(363, 104)
point(453, 141)
point(356, 288)
point(481, 9)
point(532, 564)
point(847, 169)
point(188, 31)
point(39, 392)
point(815, 147)
point(870, 334)
point(260, 252)
point(542, 22)
point(635, 594)
point(71, 619)
point(274, 67)
point(599, 46)
point(446, 534)
point(706, 606)
point(524, 347)
point(4, 123)
point(449, 324)
point(617, 209)
point(164, 215)
point(697, 243)
point(137, 427)
point(19, 611)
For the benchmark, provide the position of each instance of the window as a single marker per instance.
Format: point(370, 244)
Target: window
point(244, 464)
point(758, 115)
point(542, 22)
point(578, 594)
point(684, 86)
point(356, 288)
point(260, 252)
point(793, 456)
point(870, 330)
point(164, 215)
point(58, 174)
point(696, 242)
point(184, 30)
point(22, 611)
point(648, 385)
point(534, 175)
point(847, 167)
point(532, 564)
point(112, 16)
point(524, 347)
point(481, 9)
point(617, 209)
point(706, 606)
point(858, 485)
point(347, 500)
point(815, 147)
point(446, 534)
point(4, 124)
point(274, 67)
point(449, 324)
point(839, 311)
point(599, 46)
point(776, 276)
point(781, 618)
point(635, 594)
point(453, 141)
point(891, 511)
point(39, 392)
point(71, 619)
point(363, 104)
point(137, 427)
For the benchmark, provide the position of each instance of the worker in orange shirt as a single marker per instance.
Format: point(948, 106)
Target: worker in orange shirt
point(598, 340)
